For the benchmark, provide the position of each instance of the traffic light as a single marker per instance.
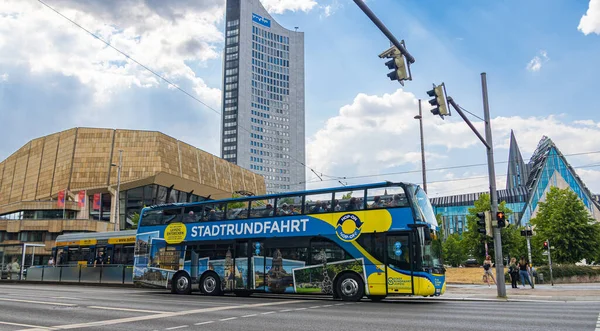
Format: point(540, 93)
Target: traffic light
point(401, 69)
point(481, 223)
point(546, 245)
point(439, 101)
point(501, 218)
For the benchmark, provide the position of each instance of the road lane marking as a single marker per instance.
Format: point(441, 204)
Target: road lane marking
point(165, 315)
point(202, 323)
point(25, 325)
point(128, 309)
point(300, 308)
point(227, 319)
point(267, 313)
point(285, 310)
point(177, 327)
point(598, 323)
point(313, 307)
point(39, 302)
point(251, 315)
point(327, 306)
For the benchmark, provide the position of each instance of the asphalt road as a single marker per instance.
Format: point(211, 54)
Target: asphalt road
point(60, 307)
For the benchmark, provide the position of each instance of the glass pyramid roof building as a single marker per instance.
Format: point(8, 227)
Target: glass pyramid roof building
point(526, 185)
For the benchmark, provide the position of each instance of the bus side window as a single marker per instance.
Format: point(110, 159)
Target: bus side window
point(386, 197)
point(237, 210)
point(192, 214)
point(259, 208)
point(172, 216)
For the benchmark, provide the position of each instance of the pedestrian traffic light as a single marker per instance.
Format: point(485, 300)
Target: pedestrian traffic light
point(481, 223)
point(501, 218)
point(546, 245)
point(398, 63)
point(439, 101)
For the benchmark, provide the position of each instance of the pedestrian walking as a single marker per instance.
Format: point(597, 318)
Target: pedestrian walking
point(51, 262)
point(15, 269)
point(487, 271)
point(524, 271)
point(99, 259)
point(513, 271)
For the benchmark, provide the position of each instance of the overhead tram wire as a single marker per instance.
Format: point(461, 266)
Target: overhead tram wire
point(161, 77)
point(444, 168)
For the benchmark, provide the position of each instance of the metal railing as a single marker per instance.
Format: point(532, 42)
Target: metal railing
point(105, 274)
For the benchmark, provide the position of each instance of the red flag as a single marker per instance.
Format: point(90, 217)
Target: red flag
point(61, 199)
point(81, 198)
point(97, 201)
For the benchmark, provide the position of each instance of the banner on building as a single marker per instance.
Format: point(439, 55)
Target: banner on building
point(81, 199)
point(97, 201)
point(61, 198)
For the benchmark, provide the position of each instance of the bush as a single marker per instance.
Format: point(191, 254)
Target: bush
point(569, 270)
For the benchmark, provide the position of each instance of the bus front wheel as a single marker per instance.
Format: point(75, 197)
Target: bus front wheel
point(350, 287)
point(210, 284)
point(182, 284)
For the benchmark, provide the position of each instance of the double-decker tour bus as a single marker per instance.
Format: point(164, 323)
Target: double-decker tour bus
point(375, 240)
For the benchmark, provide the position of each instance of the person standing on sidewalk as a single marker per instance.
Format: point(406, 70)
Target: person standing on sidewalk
point(487, 270)
point(513, 271)
point(524, 271)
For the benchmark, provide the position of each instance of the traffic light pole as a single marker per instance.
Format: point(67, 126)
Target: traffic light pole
point(386, 32)
point(550, 263)
point(500, 284)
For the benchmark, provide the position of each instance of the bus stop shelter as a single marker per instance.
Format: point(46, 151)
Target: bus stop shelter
point(22, 253)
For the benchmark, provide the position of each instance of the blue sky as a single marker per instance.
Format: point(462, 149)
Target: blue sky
point(540, 67)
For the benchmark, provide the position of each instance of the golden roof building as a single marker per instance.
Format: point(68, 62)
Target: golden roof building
point(82, 165)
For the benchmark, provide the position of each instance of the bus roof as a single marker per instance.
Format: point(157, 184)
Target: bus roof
point(95, 235)
point(286, 194)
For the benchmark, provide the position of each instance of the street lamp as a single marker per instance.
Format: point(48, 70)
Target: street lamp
point(118, 194)
point(420, 118)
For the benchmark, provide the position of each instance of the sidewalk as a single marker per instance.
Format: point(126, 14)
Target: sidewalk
point(542, 292)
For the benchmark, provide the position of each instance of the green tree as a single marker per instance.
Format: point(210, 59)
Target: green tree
point(474, 242)
point(453, 251)
point(347, 196)
point(238, 204)
point(564, 220)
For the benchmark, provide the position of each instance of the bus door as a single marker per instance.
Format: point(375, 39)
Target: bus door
point(399, 262)
point(257, 264)
point(238, 279)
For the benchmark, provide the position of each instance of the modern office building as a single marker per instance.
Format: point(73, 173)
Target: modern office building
point(80, 166)
point(263, 96)
point(526, 186)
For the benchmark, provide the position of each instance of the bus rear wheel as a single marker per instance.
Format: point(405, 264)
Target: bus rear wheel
point(210, 284)
point(182, 284)
point(350, 287)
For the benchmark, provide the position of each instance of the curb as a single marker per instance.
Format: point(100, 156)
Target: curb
point(4, 281)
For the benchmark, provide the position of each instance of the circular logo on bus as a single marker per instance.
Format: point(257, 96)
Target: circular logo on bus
point(348, 227)
point(175, 233)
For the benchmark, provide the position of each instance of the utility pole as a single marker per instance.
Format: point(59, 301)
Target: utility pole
point(420, 118)
point(118, 194)
point(550, 263)
point(500, 284)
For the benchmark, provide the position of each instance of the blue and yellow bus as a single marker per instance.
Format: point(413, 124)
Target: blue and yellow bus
point(369, 240)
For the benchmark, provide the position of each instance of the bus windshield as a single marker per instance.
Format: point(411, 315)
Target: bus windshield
point(425, 207)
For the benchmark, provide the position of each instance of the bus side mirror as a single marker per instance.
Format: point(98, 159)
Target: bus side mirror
point(427, 234)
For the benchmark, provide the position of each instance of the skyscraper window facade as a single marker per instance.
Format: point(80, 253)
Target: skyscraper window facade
point(263, 96)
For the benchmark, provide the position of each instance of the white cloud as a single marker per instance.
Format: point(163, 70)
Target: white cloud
point(376, 134)
point(4, 77)
point(330, 9)
point(536, 63)
point(590, 22)
point(162, 36)
point(280, 6)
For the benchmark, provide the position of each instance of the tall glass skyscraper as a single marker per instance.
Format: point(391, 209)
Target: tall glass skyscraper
point(263, 96)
